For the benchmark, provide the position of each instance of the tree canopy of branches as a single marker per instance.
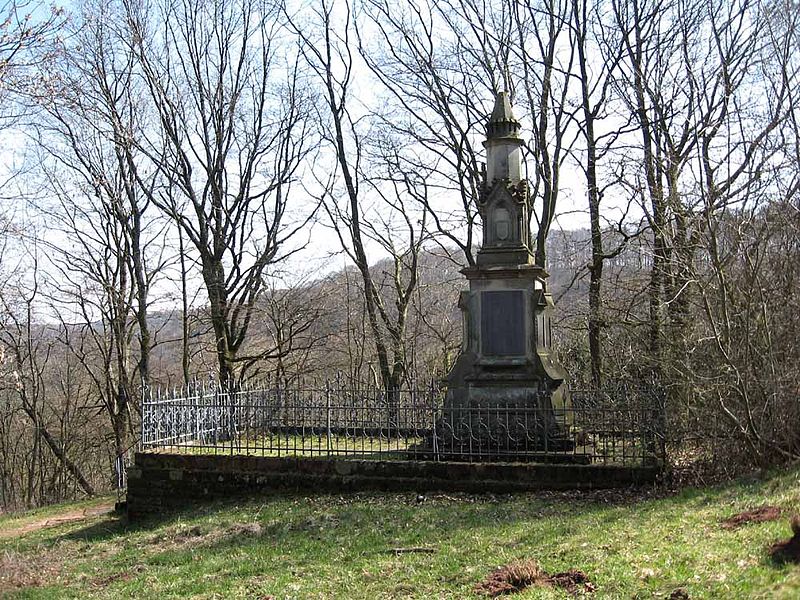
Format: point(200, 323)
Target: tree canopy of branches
point(230, 141)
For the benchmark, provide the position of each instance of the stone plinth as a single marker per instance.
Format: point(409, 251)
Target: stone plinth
point(505, 388)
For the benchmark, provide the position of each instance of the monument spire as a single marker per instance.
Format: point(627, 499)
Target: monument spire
point(504, 202)
point(503, 144)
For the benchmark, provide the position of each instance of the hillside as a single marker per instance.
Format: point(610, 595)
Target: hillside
point(333, 307)
point(646, 544)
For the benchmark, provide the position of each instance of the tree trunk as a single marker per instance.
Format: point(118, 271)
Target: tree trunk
point(214, 279)
point(184, 311)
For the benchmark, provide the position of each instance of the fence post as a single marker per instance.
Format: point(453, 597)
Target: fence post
point(119, 467)
point(432, 408)
point(226, 391)
point(328, 415)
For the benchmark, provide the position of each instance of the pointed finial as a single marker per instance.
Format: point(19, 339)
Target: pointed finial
point(502, 122)
point(502, 108)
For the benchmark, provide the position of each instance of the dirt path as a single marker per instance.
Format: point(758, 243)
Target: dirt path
point(68, 516)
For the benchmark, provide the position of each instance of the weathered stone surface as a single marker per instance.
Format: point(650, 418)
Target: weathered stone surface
point(154, 490)
point(503, 323)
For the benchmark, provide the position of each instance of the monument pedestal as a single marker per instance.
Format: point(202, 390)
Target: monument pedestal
point(505, 391)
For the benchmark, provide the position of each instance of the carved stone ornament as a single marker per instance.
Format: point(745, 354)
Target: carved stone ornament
point(502, 224)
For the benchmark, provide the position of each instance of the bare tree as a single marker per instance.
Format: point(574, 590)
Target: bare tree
point(296, 318)
point(387, 220)
point(442, 61)
point(440, 67)
point(26, 30)
point(110, 250)
point(656, 83)
point(542, 30)
point(232, 135)
point(743, 174)
point(592, 35)
point(28, 352)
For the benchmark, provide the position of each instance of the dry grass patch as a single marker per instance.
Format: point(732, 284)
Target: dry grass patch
point(25, 570)
point(762, 514)
point(196, 536)
point(517, 576)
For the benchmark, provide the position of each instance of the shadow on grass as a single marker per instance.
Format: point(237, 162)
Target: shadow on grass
point(118, 524)
point(479, 509)
point(474, 510)
point(109, 527)
point(348, 519)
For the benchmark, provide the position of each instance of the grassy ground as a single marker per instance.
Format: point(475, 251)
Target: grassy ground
point(342, 547)
point(13, 521)
point(305, 445)
point(625, 450)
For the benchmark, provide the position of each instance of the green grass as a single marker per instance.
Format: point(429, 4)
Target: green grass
point(356, 447)
point(340, 546)
point(611, 450)
point(14, 520)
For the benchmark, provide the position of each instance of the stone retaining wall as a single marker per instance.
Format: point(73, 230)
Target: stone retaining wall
point(158, 482)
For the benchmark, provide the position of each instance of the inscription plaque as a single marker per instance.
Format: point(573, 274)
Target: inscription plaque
point(503, 323)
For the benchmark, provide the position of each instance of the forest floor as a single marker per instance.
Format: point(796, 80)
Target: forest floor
point(711, 542)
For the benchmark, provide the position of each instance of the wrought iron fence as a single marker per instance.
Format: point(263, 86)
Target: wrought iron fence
point(622, 426)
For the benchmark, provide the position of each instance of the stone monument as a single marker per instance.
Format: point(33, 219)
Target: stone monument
point(506, 389)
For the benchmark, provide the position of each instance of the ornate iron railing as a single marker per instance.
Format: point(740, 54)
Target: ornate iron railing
point(621, 426)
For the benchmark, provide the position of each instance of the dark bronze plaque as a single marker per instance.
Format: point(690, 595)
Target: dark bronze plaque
point(503, 323)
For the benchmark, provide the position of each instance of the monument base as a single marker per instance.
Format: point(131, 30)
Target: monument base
point(504, 418)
